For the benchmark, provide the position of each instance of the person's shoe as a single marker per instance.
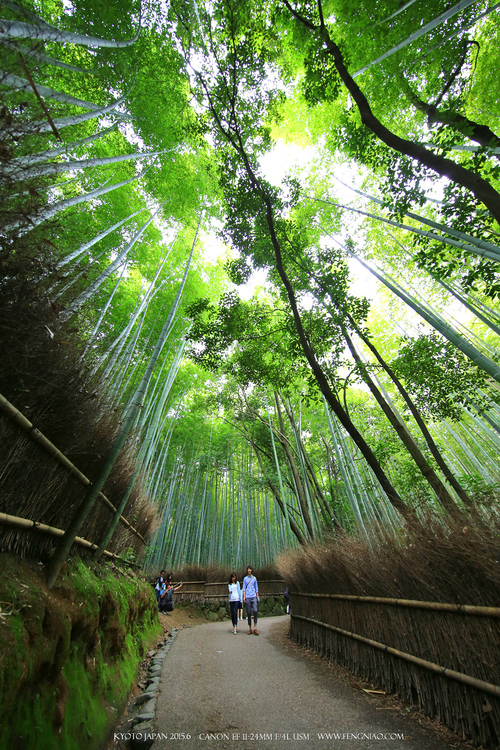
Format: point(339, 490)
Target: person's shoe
point(250, 632)
point(255, 631)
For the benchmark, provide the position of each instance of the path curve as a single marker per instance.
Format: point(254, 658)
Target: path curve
point(248, 692)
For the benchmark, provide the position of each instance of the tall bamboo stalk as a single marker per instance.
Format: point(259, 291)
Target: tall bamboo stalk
point(62, 550)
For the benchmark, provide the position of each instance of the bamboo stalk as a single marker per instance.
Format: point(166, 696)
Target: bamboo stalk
point(485, 687)
point(465, 609)
point(417, 34)
point(34, 434)
point(25, 523)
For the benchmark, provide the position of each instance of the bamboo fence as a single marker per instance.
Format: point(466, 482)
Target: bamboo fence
point(211, 593)
point(25, 523)
point(35, 434)
point(42, 492)
point(445, 658)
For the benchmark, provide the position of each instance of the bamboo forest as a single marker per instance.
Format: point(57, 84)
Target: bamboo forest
point(248, 271)
point(249, 319)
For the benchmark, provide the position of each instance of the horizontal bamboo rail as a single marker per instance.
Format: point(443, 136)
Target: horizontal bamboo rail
point(34, 433)
point(224, 583)
point(192, 583)
point(464, 609)
point(25, 523)
point(485, 687)
point(222, 595)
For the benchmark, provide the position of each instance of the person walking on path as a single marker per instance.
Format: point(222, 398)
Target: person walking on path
point(250, 598)
point(234, 600)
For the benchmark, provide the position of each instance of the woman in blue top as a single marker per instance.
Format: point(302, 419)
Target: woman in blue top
point(234, 599)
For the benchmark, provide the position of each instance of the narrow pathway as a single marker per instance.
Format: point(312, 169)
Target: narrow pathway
point(246, 692)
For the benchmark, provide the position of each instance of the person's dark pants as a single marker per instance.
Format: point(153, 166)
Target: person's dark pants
point(251, 607)
point(157, 592)
point(233, 606)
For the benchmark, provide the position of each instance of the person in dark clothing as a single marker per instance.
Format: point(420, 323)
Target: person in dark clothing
point(165, 602)
point(159, 584)
point(234, 599)
point(286, 597)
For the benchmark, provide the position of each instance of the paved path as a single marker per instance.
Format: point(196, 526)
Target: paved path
point(256, 693)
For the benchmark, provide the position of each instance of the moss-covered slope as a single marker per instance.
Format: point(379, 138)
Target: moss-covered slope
point(69, 656)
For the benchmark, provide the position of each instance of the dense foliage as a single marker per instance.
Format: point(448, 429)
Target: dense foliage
point(356, 388)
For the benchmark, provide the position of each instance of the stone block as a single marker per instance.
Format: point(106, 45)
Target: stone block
point(148, 707)
point(144, 697)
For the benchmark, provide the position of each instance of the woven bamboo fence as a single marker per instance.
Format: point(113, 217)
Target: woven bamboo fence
point(41, 486)
point(444, 658)
point(212, 593)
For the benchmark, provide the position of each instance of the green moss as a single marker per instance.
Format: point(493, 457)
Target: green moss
point(29, 720)
point(91, 713)
point(72, 655)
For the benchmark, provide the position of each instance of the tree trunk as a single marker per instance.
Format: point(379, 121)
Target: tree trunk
point(26, 52)
point(470, 351)
point(41, 156)
point(468, 239)
point(53, 168)
point(320, 376)
point(420, 32)
point(480, 188)
point(293, 526)
point(48, 213)
point(139, 461)
point(470, 129)
point(42, 126)
point(103, 313)
point(87, 245)
point(328, 514)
